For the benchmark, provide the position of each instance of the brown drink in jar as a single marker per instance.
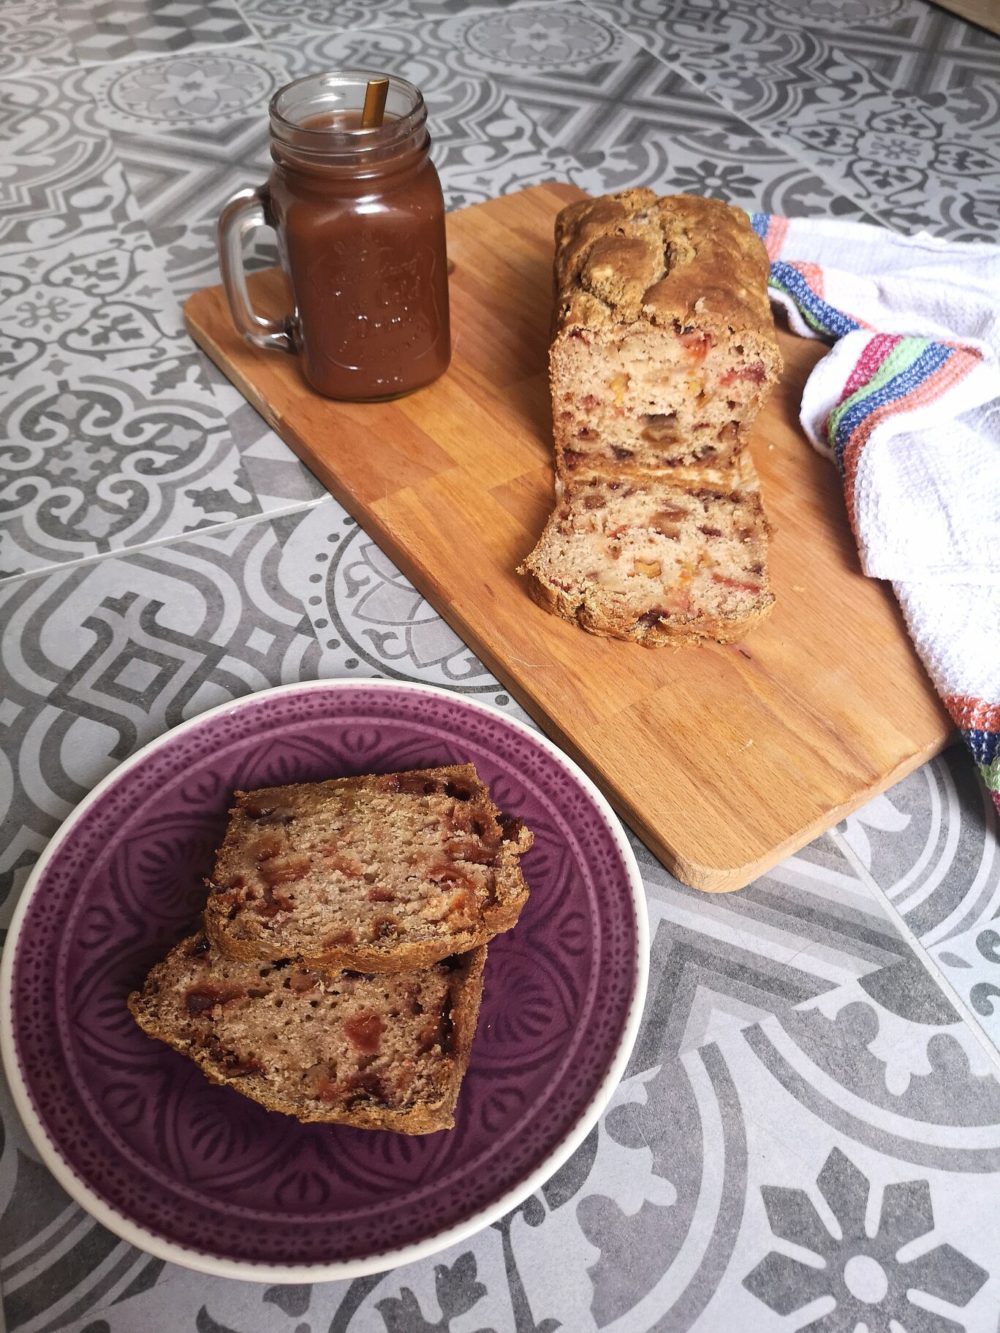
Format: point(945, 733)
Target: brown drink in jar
point(360, 220)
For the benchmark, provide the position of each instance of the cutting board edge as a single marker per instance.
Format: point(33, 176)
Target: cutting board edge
point(215, 354)
point(723, 879)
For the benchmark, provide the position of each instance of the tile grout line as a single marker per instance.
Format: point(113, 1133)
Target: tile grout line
point(155, 543)
point(921, 952)
point(764, 133)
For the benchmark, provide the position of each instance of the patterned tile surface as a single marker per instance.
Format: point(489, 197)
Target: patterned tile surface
point(906, 44)
point(930, 844)
point(485, 143)
point(103, 30)
point(60, 172)
point(239, 608)
point(170, 631)
point(917, 160)
point(808, 1134)
point(116, 430)
point(589, 101)
point(32, 33)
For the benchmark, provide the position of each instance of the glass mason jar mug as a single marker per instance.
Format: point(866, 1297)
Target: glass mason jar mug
point(359, 217)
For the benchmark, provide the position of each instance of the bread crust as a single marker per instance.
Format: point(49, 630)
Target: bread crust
point(657, 302)
point(680, 259)
point(661, 634)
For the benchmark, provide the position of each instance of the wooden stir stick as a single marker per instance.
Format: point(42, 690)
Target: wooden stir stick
point(374, 107)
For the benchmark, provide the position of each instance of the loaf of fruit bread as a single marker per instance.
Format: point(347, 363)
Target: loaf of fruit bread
point(375, 1052)
point(664, 347)
point(379, 873)
point(676, 556)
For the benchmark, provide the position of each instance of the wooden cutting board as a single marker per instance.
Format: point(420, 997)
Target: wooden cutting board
point(723, 760)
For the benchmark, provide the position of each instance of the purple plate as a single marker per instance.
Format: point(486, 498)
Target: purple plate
point(199, 1175)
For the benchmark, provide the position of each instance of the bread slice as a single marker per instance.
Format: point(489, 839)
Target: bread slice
point(375, 1052)
point(664, 347)
point(379, 873)
point(678, 556)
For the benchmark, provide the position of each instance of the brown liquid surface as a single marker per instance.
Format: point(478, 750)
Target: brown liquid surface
point(368, 267)
point(337, 120)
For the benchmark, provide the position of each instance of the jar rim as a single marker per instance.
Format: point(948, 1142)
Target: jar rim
point(323, 140)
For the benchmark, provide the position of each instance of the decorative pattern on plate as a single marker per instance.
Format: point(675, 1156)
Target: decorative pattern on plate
point(197, 1164)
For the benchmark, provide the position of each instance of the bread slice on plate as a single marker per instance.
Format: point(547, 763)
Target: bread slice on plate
point(675, 557)
point(379, 873)
point(375, 1052)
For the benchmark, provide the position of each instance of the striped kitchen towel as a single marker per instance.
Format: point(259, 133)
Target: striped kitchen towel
point(907, 403)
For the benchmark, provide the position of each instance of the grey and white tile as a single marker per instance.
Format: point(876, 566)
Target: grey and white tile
point(102, 656)
point(930, 844)
point(33, 33)
point(273, 473)
point(110, 30)
point(114, 435)
point(352, 15)
point(333, 15)
point(484, 142)
point(723, 961)
point(190, 130)
point(911, 159)
point(829, 1134)
point(60, 172)
point(98, 296)
point(535, 92)
point(188, 97)
point(117, 432)
point(971, 963)
point(907, 45)
point(101, 462)
point(626, 117)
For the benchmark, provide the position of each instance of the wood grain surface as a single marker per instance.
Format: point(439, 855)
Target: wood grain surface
point(723, 759)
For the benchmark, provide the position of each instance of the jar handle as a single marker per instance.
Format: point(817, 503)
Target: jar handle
point(242, 214)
